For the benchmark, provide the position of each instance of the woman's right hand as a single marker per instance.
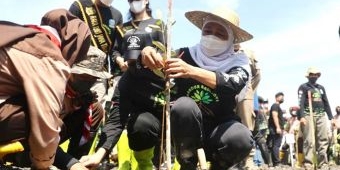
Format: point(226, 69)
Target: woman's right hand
point(151, 59)
point(123, 65)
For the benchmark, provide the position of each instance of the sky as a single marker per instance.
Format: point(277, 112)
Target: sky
point(289, 36)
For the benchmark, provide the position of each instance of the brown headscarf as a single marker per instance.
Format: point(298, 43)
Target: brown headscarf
point(73, 32)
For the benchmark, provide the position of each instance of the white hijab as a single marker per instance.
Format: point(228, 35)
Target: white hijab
point(222, 62)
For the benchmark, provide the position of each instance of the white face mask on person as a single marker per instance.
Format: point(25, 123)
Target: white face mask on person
point(107, 2)
point(212, 45)
point(137, 6)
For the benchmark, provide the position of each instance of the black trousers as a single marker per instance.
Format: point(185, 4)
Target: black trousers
point(144, 130)
point(274, 143)
point(225, 144)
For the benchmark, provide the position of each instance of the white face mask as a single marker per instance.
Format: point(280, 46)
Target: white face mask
point(137, 6)
point(107, 2)
point(212, 45)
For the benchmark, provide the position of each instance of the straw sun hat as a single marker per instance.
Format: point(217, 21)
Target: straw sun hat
point(313, 70)
point(225, 15)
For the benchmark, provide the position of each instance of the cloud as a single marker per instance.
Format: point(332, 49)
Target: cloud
point(307, 40)
point(233, 4)
point(285, 54)
point(24, 14)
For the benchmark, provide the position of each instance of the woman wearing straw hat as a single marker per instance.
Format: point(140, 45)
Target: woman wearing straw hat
point(208, 76)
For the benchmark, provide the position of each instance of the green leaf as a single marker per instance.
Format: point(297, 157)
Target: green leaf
point(197, 96)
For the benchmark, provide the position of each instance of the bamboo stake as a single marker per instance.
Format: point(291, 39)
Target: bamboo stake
point(167, 88)
point(312, 128)
point(200, 151)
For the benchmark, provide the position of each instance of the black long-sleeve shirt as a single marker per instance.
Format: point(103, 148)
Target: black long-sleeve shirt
point(320, 102)
point(141, 93)
point(220, 102)
point(139, 88)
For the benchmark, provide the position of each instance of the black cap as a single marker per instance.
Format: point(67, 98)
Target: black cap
point(279, 94)
point(134, 44)
point(262, 100)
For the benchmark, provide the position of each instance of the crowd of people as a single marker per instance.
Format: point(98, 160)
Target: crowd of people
point(84, 83)
point(303, 137)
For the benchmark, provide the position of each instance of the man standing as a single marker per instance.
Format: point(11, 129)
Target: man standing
point(261, 131)
point(314, 129)
point(275, 124)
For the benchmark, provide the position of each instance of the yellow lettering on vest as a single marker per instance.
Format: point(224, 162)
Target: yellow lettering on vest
point(90, 11)
point(101, 39)
point(97, 30)
point(94, 20)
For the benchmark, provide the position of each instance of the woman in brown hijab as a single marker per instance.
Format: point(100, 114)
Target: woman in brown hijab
point(34, 68)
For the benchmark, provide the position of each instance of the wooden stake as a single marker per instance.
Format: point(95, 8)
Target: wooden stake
point(312, 128)
point(167, 88)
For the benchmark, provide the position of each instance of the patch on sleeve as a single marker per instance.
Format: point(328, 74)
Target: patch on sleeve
point(300, 92)
point(239, 73)
point(226, 77)
point(235, 78)
point(236, 75)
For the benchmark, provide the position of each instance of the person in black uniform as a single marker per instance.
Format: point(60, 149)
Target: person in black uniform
point(207, 77)
point(140, 91)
